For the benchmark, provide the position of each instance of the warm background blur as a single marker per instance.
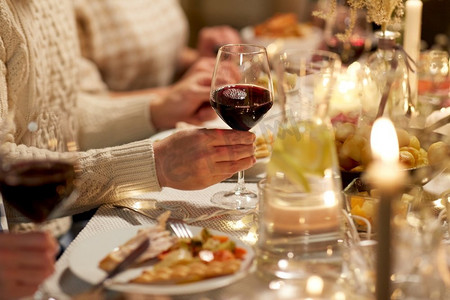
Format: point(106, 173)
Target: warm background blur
point(241, 13)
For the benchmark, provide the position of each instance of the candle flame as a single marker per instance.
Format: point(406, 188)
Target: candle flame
point(384, 142)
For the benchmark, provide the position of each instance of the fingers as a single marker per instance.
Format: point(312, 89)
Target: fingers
point(26, 260)
point(232, 153)
point(228, 168)
point(197, 158)
point(29, 241)
point(227, 137)
point(210, 38)
point(16, 290)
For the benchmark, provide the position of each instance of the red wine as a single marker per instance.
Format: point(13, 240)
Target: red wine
point(35, 188)
point(241, 106)
point(348, 51)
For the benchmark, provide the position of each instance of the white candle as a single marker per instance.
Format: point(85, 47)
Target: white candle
point(411, 38)
point(312, 214)
point(384, 173)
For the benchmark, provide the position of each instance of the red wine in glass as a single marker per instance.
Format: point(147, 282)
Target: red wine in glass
point(349, 51)
point(36, 187)
point(241, 94)
point(241, 106)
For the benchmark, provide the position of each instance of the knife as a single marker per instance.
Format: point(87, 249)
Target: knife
point(125, 263)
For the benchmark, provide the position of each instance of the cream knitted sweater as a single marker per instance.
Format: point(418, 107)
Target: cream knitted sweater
point(40, 65)
point(135, 44)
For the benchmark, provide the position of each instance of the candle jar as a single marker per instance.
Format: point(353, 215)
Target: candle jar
point(298, 233)
point(388, 68)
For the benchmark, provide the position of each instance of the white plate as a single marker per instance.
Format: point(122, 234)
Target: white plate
point(84, 259)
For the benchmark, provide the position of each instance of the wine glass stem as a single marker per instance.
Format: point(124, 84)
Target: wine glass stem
point(240, 186)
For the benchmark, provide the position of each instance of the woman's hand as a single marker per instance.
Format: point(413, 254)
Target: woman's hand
point(197, 158)
point(211, 38)
point(26, 260)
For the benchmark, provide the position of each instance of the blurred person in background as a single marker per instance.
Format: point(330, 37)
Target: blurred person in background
point(40, 72)
point(141, 44)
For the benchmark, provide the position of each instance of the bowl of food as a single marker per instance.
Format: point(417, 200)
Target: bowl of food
point(361, 201)
point(422, 154)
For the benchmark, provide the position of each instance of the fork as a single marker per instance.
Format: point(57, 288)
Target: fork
point(180, 229)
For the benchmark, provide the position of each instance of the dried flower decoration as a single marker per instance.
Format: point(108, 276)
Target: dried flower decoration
point(384, 13)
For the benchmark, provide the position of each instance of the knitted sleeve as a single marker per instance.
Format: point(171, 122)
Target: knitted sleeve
point(107, 174)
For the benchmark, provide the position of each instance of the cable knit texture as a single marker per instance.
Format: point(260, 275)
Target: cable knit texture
point(39, 66)
point(136, 43)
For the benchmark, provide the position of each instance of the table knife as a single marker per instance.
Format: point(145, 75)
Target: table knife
point(125, 263)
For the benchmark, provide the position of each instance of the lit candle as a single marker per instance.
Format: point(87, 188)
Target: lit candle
point(385, 173)
point(312, 214)
point(411, 38)
point(345, 99)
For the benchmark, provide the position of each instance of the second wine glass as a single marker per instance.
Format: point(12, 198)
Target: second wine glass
point(241, 94)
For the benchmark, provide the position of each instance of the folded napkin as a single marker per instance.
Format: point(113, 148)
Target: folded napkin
point(436, 116)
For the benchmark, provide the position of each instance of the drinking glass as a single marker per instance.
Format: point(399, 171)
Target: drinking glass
point(35, 187)
point(339, 36)
point(434, 81)
point(241, 94)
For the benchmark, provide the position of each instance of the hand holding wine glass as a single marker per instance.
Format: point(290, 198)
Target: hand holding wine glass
point(241, 94)
point(38, 187)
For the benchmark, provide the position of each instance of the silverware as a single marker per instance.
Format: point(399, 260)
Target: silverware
point(135, 210)
point(126, 263)
point(216, 214)
point(180, 229)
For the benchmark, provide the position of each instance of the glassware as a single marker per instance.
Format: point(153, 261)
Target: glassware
point(347, 34)
point(36, 187)
point(303, 153)
point(418, 255)
point(241, 94)
point(300, 201)
point(388, 68)
point(434, 81)
point(298, 232)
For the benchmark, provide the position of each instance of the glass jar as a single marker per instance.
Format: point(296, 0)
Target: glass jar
point(300, 201)
point(388, 68)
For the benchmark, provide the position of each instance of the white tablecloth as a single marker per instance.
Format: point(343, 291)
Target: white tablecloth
point(240, 224)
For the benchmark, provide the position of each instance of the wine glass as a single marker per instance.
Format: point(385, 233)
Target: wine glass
point(36, 187)
point(241, 94)
point(339, 36)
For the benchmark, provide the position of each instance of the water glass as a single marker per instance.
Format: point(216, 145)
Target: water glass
point(434, 81)
point(299, 232)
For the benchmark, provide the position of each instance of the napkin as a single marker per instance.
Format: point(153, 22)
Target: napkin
point(436, 116)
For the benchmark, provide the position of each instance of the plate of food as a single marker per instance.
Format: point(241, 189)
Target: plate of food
point(170, 266)
point(284, 30)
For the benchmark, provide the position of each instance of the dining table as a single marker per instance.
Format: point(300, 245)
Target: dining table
point(71, 281)
point(193, 206)
point(196, 209)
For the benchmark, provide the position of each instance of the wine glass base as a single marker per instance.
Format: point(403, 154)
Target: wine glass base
point(238, 199)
